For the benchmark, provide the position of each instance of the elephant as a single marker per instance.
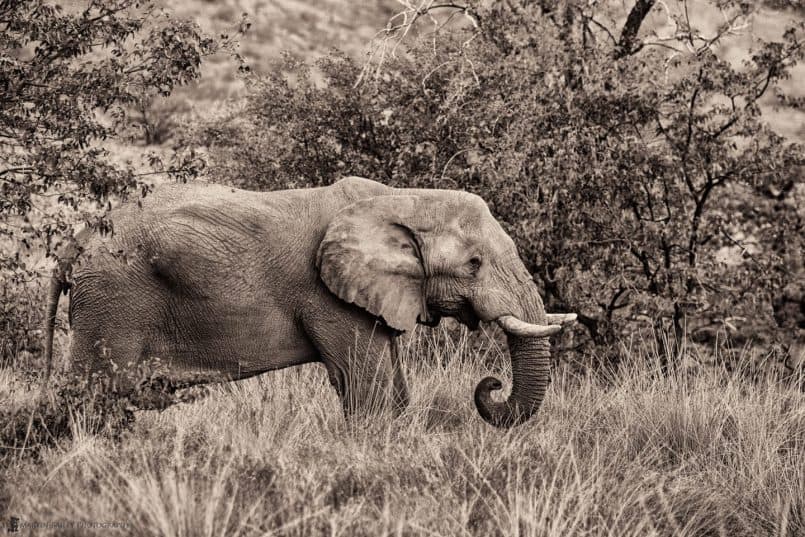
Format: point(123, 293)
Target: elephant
point(222, 284)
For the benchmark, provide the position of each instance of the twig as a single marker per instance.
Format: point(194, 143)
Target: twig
point(396, 32)
point(744, 250)
point(447, 164)
point(606, 30)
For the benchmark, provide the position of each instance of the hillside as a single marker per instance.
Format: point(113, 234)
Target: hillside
point(306, 30)
point(311, 29)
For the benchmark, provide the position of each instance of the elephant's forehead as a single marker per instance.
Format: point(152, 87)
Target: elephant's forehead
point(449, 246)
point(462, 235)
point(463, 211)
point(476, 221)
point(470, 224)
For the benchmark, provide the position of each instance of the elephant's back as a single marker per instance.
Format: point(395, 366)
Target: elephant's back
point(197, 232)
point(306, 207)
point(208, 224)
point(170, 197)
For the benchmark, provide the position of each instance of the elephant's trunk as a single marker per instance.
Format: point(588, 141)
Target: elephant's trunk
point(530, 358)
point(529, 347)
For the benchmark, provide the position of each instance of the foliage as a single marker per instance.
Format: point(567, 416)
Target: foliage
point(639, 179)
point(74, 404)
point(69, 405)
point(20, 322)
point(158, 118)
point(67, 79)
point(798, 5)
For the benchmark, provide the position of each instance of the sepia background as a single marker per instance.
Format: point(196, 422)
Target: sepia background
point(654, 185)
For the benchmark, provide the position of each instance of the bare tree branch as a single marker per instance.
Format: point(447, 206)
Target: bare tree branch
point(628, 42)
point(606, 30)
point(23, 169)
point(400, 24)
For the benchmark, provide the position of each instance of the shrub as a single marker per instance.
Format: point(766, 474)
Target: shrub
point(641, 184)
point(21, 321)
point(74, 404)
point(69, 405)
point(67, 78)
point(157, 118)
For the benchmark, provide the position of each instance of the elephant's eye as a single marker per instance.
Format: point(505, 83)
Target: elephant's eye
point(475, 264)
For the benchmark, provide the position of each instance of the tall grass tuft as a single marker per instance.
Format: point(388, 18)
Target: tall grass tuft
point(639, 449)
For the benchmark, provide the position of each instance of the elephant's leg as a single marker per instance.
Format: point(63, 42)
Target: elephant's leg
point(400, 397)
point(366, 374)
point(357, 353)
point(110, 321)
point(93, 350)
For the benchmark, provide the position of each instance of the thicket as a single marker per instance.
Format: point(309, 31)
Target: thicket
point(70, 80)
point(630, 163)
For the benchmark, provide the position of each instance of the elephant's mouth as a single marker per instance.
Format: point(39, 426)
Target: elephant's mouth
point(461, 310)
point(468, 318)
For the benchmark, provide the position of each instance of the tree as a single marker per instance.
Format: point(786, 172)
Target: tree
point(636, 174)
point(67, 78)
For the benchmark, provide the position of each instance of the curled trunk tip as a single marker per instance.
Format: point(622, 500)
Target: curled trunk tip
point(530, 375)
point(491, 411)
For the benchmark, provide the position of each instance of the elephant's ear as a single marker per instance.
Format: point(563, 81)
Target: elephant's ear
point(370, 257)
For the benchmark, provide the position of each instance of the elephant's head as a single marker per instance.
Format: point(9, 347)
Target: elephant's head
point(418, 255)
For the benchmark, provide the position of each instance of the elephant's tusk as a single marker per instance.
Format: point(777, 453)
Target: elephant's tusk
point(560, 318)
point(513, 325)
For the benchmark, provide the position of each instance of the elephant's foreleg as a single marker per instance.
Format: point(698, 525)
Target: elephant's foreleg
point(358, 360)
point(400, 397)
point(367, 383)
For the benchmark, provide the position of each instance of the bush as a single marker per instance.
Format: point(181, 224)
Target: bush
point(21, 321)
point(641, 184)
point(69, 406)
point(157, 119)
point(67, 79)
point(75, 404)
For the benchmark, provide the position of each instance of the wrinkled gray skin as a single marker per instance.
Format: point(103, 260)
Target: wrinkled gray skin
point(224, 284)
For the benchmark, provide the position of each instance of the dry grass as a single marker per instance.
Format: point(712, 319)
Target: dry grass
point(693, 453)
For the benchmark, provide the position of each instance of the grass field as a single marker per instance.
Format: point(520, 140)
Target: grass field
point(692, 453)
